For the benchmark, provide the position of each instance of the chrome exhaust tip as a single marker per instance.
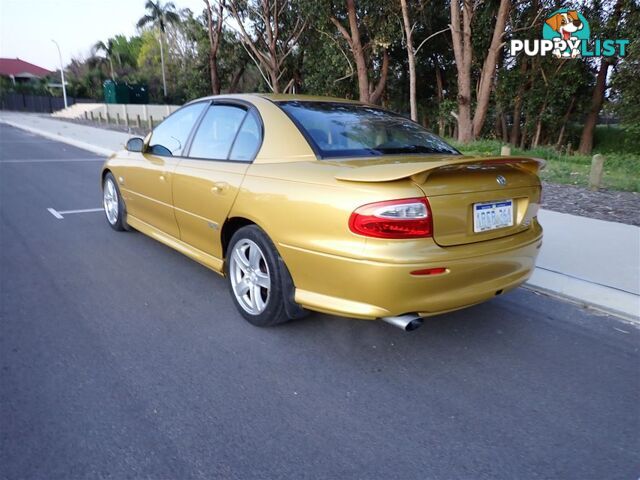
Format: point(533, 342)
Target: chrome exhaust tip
point(407, 322)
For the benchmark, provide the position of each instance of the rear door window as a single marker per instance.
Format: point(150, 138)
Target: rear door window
point(217, 132)
point(248, 140)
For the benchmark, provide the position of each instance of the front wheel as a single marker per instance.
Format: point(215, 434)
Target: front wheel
point(255, 277)
point(113, 204)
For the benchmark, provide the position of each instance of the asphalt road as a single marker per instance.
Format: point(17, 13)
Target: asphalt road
point(121, 358)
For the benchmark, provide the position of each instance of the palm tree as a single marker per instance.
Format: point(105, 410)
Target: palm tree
point(108, 52)
point(159, 15)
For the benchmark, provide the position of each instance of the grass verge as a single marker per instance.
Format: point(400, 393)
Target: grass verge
point(621, 170)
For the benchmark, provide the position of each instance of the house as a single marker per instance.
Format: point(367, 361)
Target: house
point(20, 71)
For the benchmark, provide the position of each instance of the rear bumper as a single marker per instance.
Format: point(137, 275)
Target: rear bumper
point(372, 289)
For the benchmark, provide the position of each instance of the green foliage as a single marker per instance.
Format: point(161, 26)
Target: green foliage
point(159, 15)
point(148, 65)
point(126, 50)
point(33, 87)
point(235, 66)
point(329, 65)
point(328, 69)
point(616, 139)
point(552, 95)
point(626, 78)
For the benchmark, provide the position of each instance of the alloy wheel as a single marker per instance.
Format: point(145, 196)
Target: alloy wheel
point(110, 201)
point(249, 276)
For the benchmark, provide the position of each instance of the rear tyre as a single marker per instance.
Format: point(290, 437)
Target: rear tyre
point(113, 204)
point(255, 277)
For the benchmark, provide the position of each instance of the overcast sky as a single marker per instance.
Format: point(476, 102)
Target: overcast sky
point(27, 26)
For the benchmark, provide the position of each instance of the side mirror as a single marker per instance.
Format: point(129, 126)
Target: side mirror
point(135, 144)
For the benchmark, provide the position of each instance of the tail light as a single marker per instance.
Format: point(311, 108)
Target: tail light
point(406, 218)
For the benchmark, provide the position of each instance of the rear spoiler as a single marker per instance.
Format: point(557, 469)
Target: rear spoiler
point(419, 171)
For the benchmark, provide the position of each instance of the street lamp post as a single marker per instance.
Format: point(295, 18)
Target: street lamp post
point(64, 88)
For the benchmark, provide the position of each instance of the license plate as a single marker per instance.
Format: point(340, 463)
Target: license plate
point(492, 215)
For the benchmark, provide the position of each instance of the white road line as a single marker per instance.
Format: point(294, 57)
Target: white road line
point(86, 210)
point(35, 140)
point(55, 214)
point(51, 160)
point(59, 215)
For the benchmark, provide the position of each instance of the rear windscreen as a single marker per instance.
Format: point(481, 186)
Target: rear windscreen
point(350, 130)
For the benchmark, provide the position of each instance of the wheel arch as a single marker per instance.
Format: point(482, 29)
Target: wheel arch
point(231, 226)
point(103, 174)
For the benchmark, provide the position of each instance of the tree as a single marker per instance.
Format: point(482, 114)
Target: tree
point(463, 50)
point(519, 100)
point(626, 88)
point(276, 29)
point(488, 74)
point(370, 91)
point(391, 53)
point(107, 48)
point(323, 66)
point(125, 51)
point(85, 77)
point(215, 35)
point(599, 90)
point(462, 37)
point(411, 56)
point(159, 15)
point(597, 99)
point(236, 71)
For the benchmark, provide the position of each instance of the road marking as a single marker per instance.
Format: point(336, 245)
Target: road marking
point(55, 214)
point(59, 215)
point(86, 210)
point(51, 160)
point(35, 140)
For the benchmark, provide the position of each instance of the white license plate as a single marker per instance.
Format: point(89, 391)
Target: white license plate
point(492, 215)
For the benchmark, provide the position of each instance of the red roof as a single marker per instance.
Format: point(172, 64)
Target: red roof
point(17, 67)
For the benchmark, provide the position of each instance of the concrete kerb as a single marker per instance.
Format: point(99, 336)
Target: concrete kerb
point(588, 294)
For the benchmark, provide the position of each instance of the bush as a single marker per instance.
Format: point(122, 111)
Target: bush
point(617, 139)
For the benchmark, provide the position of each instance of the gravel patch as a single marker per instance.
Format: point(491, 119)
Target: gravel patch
point(612, 206)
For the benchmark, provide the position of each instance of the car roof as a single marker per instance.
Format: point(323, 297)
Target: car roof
point(281, 97)
point(278, 97)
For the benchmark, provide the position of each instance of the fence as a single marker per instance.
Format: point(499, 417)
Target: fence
point(132, 111)
point(36, 103)
point(130, 115)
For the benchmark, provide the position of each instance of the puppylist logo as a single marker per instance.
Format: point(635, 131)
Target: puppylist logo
point(566, 34)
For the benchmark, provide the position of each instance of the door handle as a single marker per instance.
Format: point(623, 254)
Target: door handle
point(162, 178)
point(219, 187)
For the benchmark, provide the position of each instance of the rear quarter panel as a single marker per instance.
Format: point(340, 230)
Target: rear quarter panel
point(301, 205)
point(306, 212)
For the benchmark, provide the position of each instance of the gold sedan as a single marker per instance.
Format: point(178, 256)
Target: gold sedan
point(312, 203)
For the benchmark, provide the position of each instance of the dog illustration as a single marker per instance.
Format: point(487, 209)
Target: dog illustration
point(565, 24)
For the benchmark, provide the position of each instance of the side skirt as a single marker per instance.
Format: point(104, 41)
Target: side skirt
point(199, 256)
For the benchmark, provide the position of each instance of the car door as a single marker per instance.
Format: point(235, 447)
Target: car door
point(148, 179)
point(206, 183)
